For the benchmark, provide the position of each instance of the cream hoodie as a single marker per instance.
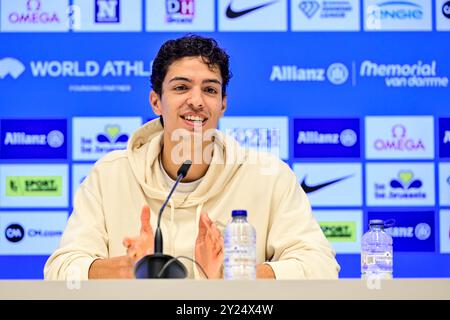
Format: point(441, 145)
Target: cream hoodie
point(108, 204)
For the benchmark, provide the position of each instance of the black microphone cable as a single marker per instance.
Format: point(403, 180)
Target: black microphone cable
point(166, 265)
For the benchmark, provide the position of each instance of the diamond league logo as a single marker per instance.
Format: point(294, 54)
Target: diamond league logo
point(309, 8)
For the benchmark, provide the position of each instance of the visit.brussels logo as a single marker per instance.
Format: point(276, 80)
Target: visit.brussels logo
point(33, 139)
point(96, 136)
point(406, 181)
point(112, 135)
point(326, 138)
point(14, 233)
point(404, 186)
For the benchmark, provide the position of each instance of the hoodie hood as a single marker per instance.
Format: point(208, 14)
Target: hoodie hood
point(143, 152)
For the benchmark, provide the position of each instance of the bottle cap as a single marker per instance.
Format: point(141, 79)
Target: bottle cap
point(240, 213)
point(376, 222)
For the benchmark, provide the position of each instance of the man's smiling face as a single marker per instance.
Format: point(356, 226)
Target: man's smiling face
point(191, 96)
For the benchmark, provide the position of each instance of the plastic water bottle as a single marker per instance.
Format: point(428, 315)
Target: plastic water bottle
point(240, 248)
point(376, 252)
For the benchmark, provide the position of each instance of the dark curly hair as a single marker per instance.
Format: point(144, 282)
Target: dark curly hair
point(189, 46)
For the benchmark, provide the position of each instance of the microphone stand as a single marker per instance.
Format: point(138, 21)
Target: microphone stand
point(150, 266)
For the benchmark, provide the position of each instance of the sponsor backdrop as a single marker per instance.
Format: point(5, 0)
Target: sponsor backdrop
point(352, 94)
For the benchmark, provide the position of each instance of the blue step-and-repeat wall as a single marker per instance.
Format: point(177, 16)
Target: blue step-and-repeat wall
point(353, 94)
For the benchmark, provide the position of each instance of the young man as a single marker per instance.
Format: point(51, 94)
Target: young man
point(122, 195)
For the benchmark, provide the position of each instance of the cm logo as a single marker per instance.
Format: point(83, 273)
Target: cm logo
point(14, 233)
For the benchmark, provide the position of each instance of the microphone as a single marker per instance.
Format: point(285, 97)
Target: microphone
point(151, 265)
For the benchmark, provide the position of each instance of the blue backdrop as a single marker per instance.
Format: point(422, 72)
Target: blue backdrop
point(366, 107)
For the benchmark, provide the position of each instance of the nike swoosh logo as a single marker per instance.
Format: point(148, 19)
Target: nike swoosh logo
point(230, 13)
point(309, 188)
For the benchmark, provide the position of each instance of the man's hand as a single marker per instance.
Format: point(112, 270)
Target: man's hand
point(137, 247)
point(142, 245)
point(209, 247)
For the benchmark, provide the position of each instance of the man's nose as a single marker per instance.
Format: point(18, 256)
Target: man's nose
point(195, 99)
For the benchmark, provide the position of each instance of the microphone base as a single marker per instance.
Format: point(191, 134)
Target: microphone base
point(150, 266)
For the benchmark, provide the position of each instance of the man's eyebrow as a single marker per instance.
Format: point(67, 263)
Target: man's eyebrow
point(212, 80)
point(189, 80)
point(180, 78)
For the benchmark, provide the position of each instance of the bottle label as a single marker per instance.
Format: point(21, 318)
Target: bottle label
point(383, 258)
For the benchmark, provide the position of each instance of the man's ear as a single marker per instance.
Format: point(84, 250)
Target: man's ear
point(224, 105)
point(155, 102)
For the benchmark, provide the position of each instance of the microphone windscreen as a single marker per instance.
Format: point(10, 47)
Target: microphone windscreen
point(184, 168)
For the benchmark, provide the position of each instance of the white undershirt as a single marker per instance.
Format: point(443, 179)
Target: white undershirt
point(183, 187)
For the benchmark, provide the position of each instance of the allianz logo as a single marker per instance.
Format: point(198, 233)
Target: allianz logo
point(395, 10)
point(421, 231)
point(347, 138)
point(336, 73)
point(68, 68)
point(53, 139)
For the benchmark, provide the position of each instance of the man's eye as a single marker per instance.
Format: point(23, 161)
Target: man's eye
point(180, 88)
point(211, 90)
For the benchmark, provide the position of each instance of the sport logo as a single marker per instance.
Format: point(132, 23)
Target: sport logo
point(14, 233)
point(12, 67)
point(391, 11)
point(33, 15)
point(404, 186)
point(336, 73)
point(412, 231)
point(33, 186)
point(233, 14)
point(112, 135)
point(180, 11)
point(421, 231)
point(399, 141)
point(309, 8)
point(339, 231)
point(33, 139)
point(326, 138)
point(54, 139)
point(107, 11)
point(309, 188)
point(406, 181)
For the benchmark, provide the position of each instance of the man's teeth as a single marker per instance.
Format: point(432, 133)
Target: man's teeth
point(193, 118)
